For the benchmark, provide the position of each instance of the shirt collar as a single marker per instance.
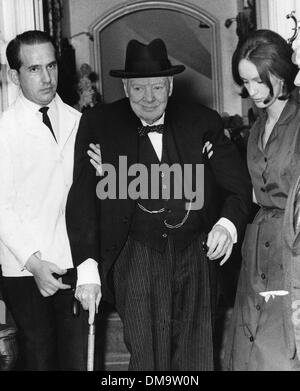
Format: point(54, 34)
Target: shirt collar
point(289, 110)
point(160, 121)
point(33, 107)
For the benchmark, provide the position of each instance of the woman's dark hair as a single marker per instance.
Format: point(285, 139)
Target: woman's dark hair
point(31, 37)
point(271, 54)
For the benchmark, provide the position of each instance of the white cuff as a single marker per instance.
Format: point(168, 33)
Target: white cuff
point(229, 226)
point(254, 199)
point(87, 273)
point(37, 253)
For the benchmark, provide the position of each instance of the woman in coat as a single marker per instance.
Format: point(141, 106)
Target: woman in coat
point(262, 335)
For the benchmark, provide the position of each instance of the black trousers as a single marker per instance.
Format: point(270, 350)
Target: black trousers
point(166, 302)
point(50, 337)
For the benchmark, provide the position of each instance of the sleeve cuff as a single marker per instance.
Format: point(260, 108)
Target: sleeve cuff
point(254, 199)
point(87, 273)
point(229, 226)
point(23, 264)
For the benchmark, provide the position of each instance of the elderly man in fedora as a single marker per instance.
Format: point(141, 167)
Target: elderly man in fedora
point(157, 250)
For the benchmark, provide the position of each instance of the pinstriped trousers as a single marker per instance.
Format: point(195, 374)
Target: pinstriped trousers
point(165, 303)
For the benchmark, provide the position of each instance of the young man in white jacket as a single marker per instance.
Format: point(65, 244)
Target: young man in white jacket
point(37, 136)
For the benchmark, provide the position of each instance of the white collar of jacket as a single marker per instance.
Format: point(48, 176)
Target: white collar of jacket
point(67, 119)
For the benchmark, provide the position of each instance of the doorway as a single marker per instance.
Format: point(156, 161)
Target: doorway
point(191, 37)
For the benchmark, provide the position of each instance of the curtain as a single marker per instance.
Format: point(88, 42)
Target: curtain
point(53, 13)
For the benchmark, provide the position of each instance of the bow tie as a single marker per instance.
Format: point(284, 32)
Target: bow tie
point(143, 130)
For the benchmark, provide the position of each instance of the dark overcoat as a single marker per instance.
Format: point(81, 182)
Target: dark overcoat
point(99, 229)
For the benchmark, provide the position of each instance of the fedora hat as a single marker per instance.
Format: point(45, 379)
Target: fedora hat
point(147, 61)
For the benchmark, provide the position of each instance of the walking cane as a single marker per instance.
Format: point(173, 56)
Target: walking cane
point(75, 311)
point(91, 347)
point(91, 338)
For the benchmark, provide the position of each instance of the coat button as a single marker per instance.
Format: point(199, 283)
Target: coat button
point(266, 159)
point(258, 307)
point(263, 276)
point(251, 339)
point(267, 244)
point(164, 235)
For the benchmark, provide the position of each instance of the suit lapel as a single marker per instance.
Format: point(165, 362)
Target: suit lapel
point(29, 121)
point(32, 124)
point(125, 136)
point(188, 142)
point(67, 122)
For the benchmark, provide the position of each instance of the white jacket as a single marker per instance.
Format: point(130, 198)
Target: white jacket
point(35, 178)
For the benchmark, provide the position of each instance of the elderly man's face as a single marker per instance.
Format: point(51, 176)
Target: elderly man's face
point(296, 60)
point(148, 96)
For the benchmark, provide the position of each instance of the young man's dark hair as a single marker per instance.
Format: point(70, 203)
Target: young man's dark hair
point(31, 37)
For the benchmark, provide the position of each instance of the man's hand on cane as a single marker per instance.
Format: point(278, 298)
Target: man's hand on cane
point(89, 296)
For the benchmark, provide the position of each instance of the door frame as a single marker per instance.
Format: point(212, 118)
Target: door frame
point(187, 9)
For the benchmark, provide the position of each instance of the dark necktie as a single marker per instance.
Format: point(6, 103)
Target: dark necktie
point(46, 119)
point(143, 130)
